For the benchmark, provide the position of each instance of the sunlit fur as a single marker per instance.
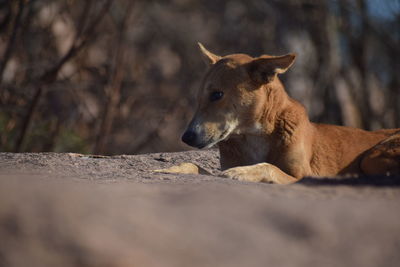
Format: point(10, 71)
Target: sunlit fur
point(264, 135)
point(237, 112)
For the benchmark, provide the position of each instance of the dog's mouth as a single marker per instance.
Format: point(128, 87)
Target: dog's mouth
point(210, 143)
point(206, 136)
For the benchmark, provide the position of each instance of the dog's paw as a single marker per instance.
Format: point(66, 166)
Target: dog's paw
point(252, 173)
point(184, 168)
point(261, 172)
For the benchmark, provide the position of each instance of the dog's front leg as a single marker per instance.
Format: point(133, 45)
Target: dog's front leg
point(184, 168)
point(261, 172)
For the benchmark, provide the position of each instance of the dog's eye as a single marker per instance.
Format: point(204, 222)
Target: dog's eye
point(214, 96)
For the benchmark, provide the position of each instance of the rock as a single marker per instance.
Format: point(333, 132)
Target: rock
point(114, 211)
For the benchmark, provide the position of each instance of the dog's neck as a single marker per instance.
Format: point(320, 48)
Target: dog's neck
point(279, 116)
point(278, 122)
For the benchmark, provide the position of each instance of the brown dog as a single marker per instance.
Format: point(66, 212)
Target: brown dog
point(264, 135)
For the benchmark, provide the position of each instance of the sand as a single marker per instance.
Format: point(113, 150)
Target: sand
point(73, 210)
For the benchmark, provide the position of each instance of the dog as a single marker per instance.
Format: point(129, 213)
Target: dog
point(264, 135)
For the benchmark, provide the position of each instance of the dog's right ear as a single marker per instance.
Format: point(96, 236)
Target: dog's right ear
point(209, 57)
point(265, 68)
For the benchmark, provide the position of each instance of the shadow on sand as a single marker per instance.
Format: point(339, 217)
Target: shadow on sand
point(378, 181)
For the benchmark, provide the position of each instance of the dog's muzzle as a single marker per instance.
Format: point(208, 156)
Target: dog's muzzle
point(191, 138)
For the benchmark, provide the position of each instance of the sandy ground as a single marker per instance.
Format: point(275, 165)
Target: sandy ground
point(71, 210)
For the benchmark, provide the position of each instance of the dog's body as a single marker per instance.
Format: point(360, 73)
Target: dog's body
point(264, 135)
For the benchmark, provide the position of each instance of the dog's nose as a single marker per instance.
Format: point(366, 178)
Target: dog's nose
point(189, 137)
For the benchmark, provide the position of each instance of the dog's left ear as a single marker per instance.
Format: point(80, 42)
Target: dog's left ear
point(208, 56)
point(265, 68)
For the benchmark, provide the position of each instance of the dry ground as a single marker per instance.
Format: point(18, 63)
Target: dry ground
point(71, 210)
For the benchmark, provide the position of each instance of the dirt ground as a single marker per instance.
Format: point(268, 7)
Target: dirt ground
point(73, 210)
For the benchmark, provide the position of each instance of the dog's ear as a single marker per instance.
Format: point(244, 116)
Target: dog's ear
point(265, 68)
point(209, 57)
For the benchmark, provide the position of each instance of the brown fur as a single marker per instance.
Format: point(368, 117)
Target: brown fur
point(264, 135)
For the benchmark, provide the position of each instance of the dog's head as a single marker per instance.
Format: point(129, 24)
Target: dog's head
point(231, 98)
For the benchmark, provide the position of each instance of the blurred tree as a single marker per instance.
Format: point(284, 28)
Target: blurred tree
point(120, 76)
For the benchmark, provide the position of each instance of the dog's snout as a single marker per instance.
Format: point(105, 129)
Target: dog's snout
point(189, 137)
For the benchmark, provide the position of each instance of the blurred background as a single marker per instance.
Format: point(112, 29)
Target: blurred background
point(119, 77)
